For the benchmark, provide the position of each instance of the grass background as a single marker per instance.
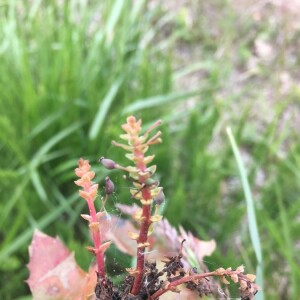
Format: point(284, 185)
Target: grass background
point(71, 71)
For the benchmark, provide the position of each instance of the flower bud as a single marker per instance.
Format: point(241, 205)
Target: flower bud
point(160, 198)
point(109, 186)
point(107, 163)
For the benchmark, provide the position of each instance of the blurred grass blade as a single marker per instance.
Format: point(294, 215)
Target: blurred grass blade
point(45, 123)
point(136, 9)
point(34, 8)
point(103, 110)
point(158, 100)
point(195, 67)
point(8, 135)
point(16, 196)
point(52, 142)
point(254, 235)
point(287, 245)
point(27, 234)
point(37, 183)
point(114, 17)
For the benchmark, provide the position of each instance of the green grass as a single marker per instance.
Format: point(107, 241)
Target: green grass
point(71, 73)
point(251, 216)
point(68, 72)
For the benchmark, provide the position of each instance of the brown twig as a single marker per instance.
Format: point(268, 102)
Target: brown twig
point(189, 278)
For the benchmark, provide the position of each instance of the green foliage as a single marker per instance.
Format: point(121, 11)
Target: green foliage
point(251, 216)
point(71, 70)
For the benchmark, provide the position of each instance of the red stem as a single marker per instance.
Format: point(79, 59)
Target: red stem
point(143, 238)
point(146, 208)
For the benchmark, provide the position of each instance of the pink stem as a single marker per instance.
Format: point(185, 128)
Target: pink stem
point(97, 241)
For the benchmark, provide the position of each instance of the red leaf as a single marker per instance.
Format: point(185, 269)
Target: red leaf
point(54, 274)
point(165, 239)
